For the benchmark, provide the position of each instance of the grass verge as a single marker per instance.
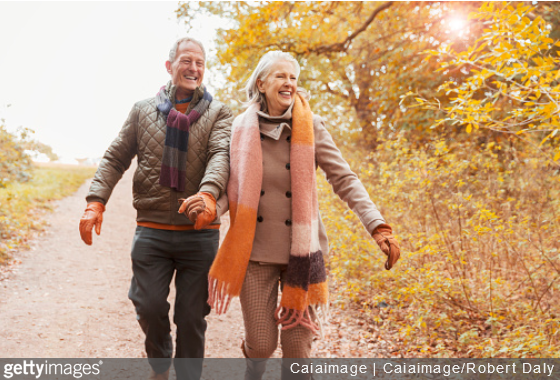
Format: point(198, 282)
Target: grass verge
point(22, 205)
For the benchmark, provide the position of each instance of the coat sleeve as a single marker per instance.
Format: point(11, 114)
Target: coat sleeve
point(116, 160)
point(222, 204)
point(343, 180)
point(216, 174)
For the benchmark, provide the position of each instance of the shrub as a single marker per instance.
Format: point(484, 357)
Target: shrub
point(15, 164)
point(480, 263)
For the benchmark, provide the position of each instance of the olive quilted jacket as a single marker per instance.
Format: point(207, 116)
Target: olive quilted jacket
point(143, 135)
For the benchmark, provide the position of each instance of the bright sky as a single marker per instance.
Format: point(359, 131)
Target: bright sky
point(73, 70)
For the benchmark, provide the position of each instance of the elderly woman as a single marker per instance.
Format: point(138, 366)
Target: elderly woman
point(276, 235)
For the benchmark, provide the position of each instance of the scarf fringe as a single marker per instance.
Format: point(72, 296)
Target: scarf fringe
point(322, 311)
point(290, 318)
point(219, 298)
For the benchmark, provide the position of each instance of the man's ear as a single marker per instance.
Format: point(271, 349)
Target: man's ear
point(168, 66)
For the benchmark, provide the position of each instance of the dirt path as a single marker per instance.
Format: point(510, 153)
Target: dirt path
point(70, 300)
point(66, 299)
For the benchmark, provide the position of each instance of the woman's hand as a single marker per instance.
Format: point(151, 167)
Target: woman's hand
point(383, 236)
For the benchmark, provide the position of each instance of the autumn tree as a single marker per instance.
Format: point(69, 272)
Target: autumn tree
point(513, 82)
point(358, 57)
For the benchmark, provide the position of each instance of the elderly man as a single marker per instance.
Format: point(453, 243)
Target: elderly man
point(181, 138)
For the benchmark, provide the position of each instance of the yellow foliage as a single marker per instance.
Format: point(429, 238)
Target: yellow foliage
point(480, 263)
point(357, 58)
point(512, 85)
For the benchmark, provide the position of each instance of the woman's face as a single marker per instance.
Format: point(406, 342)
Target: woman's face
point(279, 87)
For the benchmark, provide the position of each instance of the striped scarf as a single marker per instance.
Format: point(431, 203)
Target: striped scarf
point(306, 277)
point(174, 161)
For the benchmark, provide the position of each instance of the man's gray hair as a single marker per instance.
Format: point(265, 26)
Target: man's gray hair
point(262, 71)
point(173, 51)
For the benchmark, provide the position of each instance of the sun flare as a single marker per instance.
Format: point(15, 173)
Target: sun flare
point(457, 24)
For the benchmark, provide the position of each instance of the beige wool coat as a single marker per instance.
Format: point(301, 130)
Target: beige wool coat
point(273, 230)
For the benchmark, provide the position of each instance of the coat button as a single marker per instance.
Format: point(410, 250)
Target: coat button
point(262, 193)
point(288, 194)
point(288, 166)
point(289, 138)
point(260, 219)
point(288, 222)
point(262, 137)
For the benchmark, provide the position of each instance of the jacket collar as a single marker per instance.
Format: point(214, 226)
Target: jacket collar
point(171, 89)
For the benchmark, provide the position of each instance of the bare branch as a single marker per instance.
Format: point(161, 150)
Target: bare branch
point(341, 46)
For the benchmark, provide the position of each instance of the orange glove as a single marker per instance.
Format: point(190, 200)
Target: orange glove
point(93, 216)
point(384, 238)
point(200, 209)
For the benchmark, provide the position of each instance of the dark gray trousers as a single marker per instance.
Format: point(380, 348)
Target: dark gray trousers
point(156, 256)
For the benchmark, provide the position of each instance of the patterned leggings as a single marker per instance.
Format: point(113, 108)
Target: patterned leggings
point(259, 300)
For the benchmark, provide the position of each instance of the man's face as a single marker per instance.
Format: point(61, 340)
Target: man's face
point(187, 70)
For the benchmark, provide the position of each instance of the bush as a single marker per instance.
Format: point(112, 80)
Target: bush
point(480, 262)
point(15, 164)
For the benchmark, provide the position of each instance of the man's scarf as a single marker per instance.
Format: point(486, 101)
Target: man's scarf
point(306, 277)
point(174, 160)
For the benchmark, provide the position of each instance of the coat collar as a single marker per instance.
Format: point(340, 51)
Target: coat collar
point(273, 126)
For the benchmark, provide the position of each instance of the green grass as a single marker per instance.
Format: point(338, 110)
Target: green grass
point(23, 205)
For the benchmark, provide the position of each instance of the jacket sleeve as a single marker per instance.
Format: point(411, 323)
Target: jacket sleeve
point(116, 160)
point(343, 180)
point(216, 174)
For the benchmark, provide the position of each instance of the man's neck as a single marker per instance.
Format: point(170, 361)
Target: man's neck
point(183, 95)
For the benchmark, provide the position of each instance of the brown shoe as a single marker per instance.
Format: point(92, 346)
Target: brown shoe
point(158, 376)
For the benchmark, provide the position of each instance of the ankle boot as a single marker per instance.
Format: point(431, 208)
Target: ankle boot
point(255, 367)
point(158, 376)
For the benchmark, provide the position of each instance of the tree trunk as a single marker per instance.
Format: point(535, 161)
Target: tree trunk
point(367, 119)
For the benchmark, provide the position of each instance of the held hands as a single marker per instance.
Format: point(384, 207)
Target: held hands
point(93, 216)
point(200, 209)
point(388, 244)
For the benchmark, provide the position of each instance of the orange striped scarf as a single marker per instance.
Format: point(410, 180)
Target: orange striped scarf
point(306, 277)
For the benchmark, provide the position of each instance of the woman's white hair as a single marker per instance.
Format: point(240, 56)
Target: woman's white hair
point(262, 71)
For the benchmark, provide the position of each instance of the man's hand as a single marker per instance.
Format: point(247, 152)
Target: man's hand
point(93, 216)
point(200, 209)
point(384, 238)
